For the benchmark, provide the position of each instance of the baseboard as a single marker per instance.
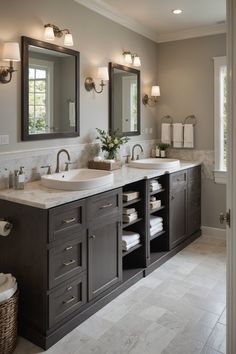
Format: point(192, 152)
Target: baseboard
point(214, 232)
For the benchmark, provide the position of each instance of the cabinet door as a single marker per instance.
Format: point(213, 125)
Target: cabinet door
point(104, 256)
point(178, 215)
point(194, 200)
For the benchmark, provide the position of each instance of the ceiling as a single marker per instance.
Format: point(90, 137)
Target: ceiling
point(154, 18)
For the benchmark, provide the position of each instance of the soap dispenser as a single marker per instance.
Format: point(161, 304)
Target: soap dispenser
point(19, 178)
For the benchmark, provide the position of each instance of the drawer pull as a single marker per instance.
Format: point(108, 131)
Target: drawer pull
point(69, 263)
point(92, 237)
point(68, 248)
point(69, 301)
point(68, 221)
point(69, 288)
point(106, 206)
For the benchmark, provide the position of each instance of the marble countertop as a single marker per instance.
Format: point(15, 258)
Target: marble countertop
point(36, 195)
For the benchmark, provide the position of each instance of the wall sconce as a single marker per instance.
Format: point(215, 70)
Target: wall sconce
point(10, 52)
point(133, 59)
point(152, 101)
point(51, 31)
point(102, 74)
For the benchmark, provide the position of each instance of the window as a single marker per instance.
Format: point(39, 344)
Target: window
point(40, 76)
point(220, 121)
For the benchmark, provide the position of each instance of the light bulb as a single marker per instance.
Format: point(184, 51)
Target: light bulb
point(177, 11)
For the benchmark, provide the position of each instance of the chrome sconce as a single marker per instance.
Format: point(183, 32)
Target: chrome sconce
point(11, 53)
point(102, 74)
point(133, 59)
point(152, 101)
point(51, 31)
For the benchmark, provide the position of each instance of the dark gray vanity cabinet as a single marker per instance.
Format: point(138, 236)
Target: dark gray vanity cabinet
point(104, 242)
point(184, 205)
point(177, 208)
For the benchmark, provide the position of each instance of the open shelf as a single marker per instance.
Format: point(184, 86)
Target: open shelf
point(132, 273)
point(157, 209)
point(156, 256)
point(130, 202)
point(157, 191)
point(157, 235)
point(131, 223)
point(124, 253)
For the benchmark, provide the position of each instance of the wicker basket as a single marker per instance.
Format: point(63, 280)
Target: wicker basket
point(8, 324)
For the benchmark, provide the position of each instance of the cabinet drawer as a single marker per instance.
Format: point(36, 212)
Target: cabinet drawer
point(194, 173)
point(67, 299)
point(104, 204)
point(64, 220)
point(178, 180)
point(67, 260)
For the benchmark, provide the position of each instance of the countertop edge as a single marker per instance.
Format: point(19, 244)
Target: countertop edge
point(53, 197)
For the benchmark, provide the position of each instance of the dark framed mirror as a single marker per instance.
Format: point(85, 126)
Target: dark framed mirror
point(124, 99)
point(50, 90)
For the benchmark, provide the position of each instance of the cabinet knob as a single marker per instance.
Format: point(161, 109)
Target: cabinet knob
point(92, 237)
point(172, 197)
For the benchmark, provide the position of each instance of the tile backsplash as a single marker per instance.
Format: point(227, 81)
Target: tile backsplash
point(80, 154)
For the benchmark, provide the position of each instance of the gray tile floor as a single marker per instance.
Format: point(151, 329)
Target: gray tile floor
point(178, 309)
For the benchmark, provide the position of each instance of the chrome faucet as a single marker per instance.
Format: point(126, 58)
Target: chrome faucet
point(58, 158)
point(136, 145)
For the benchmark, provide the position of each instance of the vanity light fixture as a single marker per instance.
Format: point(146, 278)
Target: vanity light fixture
point(151, 101)
point(102, 74)
point(11, 53)
point(133, 59)
point(51, 31)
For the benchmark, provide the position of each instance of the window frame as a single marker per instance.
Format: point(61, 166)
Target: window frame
point(220, 174)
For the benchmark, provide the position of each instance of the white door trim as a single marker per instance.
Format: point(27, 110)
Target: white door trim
point(231, 178)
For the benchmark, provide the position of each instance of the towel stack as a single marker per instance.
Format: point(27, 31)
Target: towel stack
point(156, 224)
point(129, 240)
point(129, 214)
point(8, 286)
point(155, 185)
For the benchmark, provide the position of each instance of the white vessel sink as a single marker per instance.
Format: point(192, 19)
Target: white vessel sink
point(79, 179)
point(155, 163)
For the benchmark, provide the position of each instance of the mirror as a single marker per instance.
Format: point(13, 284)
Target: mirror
point(50, 91)
point(124, 102)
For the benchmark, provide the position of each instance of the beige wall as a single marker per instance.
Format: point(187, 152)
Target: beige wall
point(99, 41)
point(186, 78)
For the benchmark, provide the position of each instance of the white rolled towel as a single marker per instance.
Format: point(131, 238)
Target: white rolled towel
point(166, 133)
point(8, 286)
point(154, 230)
point(126, 247)
point(177, 135)
point(155, 220)
point(188, 135)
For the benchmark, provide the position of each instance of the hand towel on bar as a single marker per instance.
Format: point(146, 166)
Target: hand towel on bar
point(166, 133)
point(156, 229)
point(126, 247)
point(155, 220)
point(188, 135)
point(177, 135)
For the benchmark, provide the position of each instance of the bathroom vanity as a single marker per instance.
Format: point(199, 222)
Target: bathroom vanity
point(65, 248)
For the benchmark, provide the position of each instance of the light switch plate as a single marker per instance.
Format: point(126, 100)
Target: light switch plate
point(4, 139)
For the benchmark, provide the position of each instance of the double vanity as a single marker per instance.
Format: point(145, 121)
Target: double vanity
point(65, 248)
